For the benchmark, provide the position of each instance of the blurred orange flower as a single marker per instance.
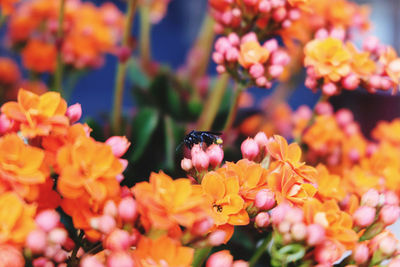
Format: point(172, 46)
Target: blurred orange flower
point(88, 167)
point(388, 131)
point(329, 185)
point(251, 53)
point(21, 166)
point(9, 72)
point(338, 224)
point(38, 115)
point(165, 203)
point(16, 219)
point(223, 192)
point(7, 6)
point(39, 56)
point(361, 63)
point(287, 187)
point(329, 57)
point(162, 251)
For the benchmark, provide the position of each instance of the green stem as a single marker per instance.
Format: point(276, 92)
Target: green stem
point(58, 75)
point(212, 104)
point(145, 29)
point(200, 256)
point(121, 69)
point(260, 250)
point(234, 107)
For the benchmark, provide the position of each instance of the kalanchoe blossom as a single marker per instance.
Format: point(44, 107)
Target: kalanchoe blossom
point(249, 62)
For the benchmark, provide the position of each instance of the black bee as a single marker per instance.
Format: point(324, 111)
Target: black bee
point(200, 137)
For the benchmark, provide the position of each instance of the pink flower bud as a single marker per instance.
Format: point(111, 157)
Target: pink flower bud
point(277, 3)
point(294, 14)
point(261, 82)
point(5, 124)
point(186, 164)
point(36, 241)
point(279, 212)
point(221, 69)
point(361, 253)
point(240, 263)
point(41, 262)
point(119, 259)
point(110, 208)
point(364, 216)
point(91, 261)
point(256, 70)
point(220, 259)
point(279, 14)
point(118, 144)
point(222, 45)
point(388, 245)
point(106, 224)
point(394, 65)
point(328, 252)
point(216, 238)
point(51, 251)
point(262, 220)
point(227, 17)
point(265, 199)
point(234, 39)
point(249, 149)
point(74, 112)
point(375, 81)
point(391, 198)
point(264, 6)
point(294, 215)
point(370, 44)
point(280, 57)
point(354, 155)
point(389, 214)
point(215, 155)
point(117, 240)
point(284, 227)
point(310, 83)
point(134, 237)
point(275, 70)
point(370, 198)
point(11, 256)
point(261, 140)
point(286, 23)
point(218, 58)
point(394, 262)
point(249, 37)
point(386, 84)
point(58, 236)
point(351, 82)
point(60, 257)
point(201, 227)
point(299, 231)
point(329, 89)
point(338, 33)
point(315, 234)
point(127, 209)
point(232, 54)
point(271, 45)
point(351, 129)
point(123, 53)
point(321, 34)
point(344, 117)
point(47, 220)
point(200, 160)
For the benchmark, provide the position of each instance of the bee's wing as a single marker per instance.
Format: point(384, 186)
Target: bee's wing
point(179, 146)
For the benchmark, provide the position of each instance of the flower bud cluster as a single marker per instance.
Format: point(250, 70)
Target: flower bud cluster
point(49, 243)
point(224, 258)
point(248, 61)
point(255, 149)
point(237, 16)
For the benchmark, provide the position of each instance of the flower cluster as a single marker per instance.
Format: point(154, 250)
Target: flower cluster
point(248, 61)
point(88, 33)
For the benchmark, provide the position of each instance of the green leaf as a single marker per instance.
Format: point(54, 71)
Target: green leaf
point(135, 75)
point(144, 124)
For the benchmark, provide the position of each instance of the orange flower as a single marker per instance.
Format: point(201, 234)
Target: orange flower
point(21, 166)
point(251, 176)
point(38, 115)
point(165, 203)
point(338, 224)
point(162, 251)
point(359, 180)
point(329, 185)
point(361, 63)
point(39, 56)
point(9, 72)
point(287, 186)
point(88, 167)
point(388, 131)
point(289, 155)
point(329, 57)
point(391, 62)
point(227, 205)
point(7, 6)
point(16, 219)
point(251, 53)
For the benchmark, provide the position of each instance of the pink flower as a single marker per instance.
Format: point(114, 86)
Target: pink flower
point(364, 216)
point(58, 236)
point(118, 144)
point(117, 240)
point(220, 259)
point(265, 199)
point(361, 253)
point(186, 164)
point(91, 261)
point(203, 226)
point(127, 209)
point(315, 234)
point(11, 256)
point(216, 238)
point(299, 231)
point(389, 214)
point(74, 113)
point(370, 198)
point(200, 159)
point(215, 155)
point(262, 220)
point(328, 252)
point(120, 259)
point(37, 241)
point(47, 220)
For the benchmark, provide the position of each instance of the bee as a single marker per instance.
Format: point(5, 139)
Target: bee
point(201, 137)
